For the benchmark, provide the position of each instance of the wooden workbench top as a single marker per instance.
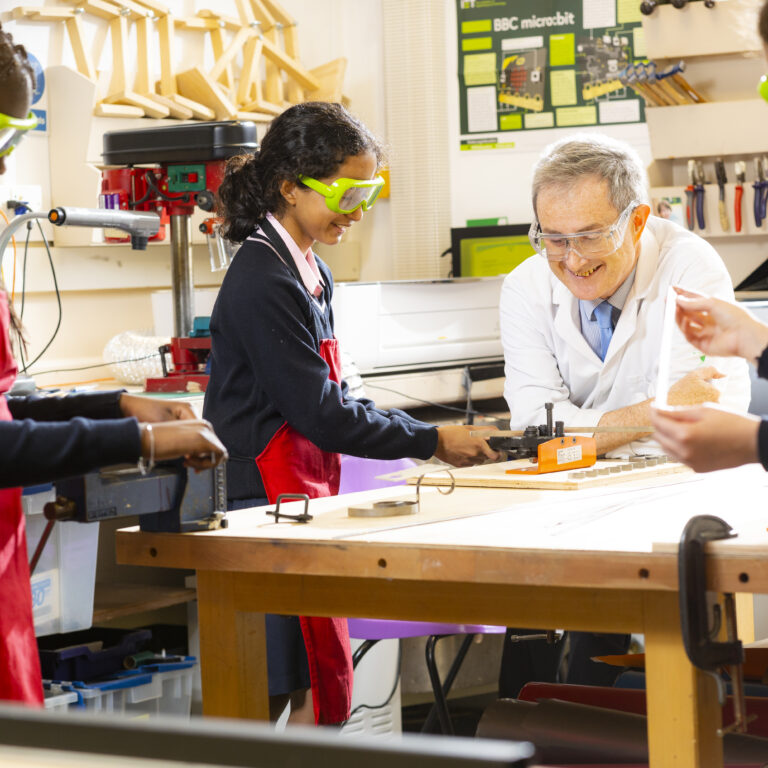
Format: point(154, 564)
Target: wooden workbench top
point(615, 537)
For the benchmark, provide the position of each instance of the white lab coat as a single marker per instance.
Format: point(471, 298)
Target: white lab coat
point(547, 359)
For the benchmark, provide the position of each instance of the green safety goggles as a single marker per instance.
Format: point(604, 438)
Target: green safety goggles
point(346, 195)
point(762, 87)
point(12, 129)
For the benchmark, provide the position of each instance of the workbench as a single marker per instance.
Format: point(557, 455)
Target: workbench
point(599, 559)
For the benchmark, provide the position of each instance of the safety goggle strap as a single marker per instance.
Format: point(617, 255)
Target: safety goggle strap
point(9, 138)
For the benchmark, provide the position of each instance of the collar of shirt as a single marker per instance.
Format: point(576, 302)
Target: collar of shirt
point(589, 328)
point(617, 300)
point(305, 262)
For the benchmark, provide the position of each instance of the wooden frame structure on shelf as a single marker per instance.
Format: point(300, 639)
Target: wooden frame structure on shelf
point(262, 33)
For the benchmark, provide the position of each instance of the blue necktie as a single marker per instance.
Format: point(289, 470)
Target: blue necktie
point(604, 317)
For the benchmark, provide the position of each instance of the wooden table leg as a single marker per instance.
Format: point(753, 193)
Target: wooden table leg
point(233, 651)
point(683, 712)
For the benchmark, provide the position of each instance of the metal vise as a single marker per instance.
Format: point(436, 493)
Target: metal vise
point(169, 499)
point(526, 445)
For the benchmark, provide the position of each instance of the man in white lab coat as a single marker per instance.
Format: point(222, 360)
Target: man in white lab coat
point(581, 320)
point(581, 325)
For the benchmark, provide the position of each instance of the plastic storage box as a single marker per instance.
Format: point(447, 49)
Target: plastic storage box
point(63, 582)
point(91, 653)
point(154, 689)
point(57, 700)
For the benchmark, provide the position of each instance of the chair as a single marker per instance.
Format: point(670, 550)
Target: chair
point(370, 631)
point(359, 474)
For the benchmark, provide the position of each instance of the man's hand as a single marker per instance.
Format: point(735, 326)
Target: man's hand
point(150, 410)
point(695, 387)
point(455, 446)
point(195, 441)
point(706, 437)
point(717, 327)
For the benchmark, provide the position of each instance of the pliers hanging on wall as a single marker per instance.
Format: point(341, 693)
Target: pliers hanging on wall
point(760, 186)
point(698, 193)
point(740, 169)
point(689, 195)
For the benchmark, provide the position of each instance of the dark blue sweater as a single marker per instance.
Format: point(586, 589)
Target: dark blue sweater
point(266, 370)
point(55, 437)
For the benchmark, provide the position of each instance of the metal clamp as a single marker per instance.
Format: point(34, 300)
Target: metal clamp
point(703, 650)
point(304, 517)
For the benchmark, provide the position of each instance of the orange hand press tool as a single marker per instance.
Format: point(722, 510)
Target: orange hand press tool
point(551, 447)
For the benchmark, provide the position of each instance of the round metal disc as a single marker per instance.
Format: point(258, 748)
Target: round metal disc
point(385, 509)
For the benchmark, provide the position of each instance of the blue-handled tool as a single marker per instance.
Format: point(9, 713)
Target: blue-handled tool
point(698, 193)
point(760, 186)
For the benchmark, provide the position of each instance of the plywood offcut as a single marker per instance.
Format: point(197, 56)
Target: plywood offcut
point(495, 476)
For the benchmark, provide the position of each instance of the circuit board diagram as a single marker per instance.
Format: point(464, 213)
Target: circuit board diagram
point(599, 60)
point(522, 80)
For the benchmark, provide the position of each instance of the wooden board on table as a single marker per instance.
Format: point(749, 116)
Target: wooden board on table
point(755, 664)
point(495, 476)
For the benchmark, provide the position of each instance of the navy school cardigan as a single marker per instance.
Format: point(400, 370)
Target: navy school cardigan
point(266, 369)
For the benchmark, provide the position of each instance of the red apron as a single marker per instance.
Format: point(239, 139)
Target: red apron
point(292, 464)
point(20, 678)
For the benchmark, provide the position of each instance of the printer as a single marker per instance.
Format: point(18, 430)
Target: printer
point(419, 325)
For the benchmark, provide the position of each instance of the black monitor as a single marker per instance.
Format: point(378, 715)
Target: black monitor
point(219, 742)
point(489, 251)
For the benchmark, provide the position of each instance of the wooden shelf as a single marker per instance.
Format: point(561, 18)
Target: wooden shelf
point(729, 27)
point(112, 601)
point(706, 130)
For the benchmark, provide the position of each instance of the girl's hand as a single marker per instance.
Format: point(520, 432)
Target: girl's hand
point(719, 327)
point(455, 446)
point(195, 441)
point(706, 437)
point(151, 410)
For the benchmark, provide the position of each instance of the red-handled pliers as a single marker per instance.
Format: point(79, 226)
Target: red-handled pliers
point(741, 176)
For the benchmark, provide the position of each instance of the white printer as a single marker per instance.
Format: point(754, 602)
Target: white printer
point(413, 325)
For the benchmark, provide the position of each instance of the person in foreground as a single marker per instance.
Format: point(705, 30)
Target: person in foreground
point(707, 437)
point(46, 438)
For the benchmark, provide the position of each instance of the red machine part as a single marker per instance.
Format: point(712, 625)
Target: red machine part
point(145, 188)
point(120, 188)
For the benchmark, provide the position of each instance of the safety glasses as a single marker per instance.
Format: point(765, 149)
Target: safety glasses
point(762, 87)
point(12, 129)
point(589, 245)
point(346, 195)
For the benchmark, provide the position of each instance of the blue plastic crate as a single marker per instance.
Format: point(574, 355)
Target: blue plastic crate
point(153, 689)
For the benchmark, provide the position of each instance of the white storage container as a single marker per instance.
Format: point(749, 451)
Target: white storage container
point(169, 693)
point(155, 689)
point(57, 700)
point(63, 581)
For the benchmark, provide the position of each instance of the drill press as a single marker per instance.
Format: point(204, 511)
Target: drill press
point(170, 171)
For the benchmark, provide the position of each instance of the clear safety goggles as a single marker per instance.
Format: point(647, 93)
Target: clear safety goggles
point(346, 195)
point(588, 245)
point(12, 129)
